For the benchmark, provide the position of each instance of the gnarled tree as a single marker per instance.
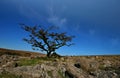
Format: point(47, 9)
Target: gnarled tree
point(46, 39)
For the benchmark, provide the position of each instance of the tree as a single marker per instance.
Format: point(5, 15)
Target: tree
point(45, 39)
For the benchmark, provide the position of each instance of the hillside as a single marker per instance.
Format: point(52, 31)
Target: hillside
point(24, 64)
point(19, 53)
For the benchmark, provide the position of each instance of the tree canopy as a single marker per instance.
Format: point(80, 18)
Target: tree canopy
point(45, 39)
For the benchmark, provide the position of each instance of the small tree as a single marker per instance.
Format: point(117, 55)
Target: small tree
point(45, 39)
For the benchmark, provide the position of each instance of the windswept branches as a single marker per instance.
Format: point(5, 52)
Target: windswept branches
point(46, 40)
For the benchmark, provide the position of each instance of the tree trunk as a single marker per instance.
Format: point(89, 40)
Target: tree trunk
point(49, 54)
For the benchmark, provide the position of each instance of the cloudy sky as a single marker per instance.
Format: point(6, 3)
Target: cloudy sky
point(95, 23)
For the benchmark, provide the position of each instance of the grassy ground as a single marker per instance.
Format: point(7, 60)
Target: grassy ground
point(33, 61)
point(20, 53)
point(5, 74)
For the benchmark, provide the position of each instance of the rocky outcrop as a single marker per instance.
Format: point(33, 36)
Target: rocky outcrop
point(63, 67)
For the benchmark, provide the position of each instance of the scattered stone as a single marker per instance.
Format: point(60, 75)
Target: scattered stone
point(107, 63)
point(68, 67)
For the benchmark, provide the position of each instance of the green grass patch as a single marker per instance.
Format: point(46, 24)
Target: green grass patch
point(8, 75)
point(50, 74)
point(102, 67)
point(28, 62)
point(33, 61)
point(61, 74)
point(46, 58)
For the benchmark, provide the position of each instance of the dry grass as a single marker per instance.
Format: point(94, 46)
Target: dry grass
point(20, 53)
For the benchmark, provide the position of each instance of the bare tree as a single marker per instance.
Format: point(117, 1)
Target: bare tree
point(46, 39)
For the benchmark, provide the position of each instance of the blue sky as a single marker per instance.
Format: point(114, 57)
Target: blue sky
point(95, 23)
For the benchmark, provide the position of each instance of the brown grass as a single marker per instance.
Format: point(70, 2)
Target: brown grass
point(20, 53)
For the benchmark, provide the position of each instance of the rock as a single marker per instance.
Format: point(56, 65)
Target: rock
point(77, 65)
point(62, 59)
point(64, 67)
point(107, 63)
point(37, 67)
point(88, 64)
point(1, 70)
point(92, 73)
point(103, 74)
point(69, 75)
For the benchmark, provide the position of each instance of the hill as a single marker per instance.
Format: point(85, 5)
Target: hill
point(4, 51)
point(24, 64)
